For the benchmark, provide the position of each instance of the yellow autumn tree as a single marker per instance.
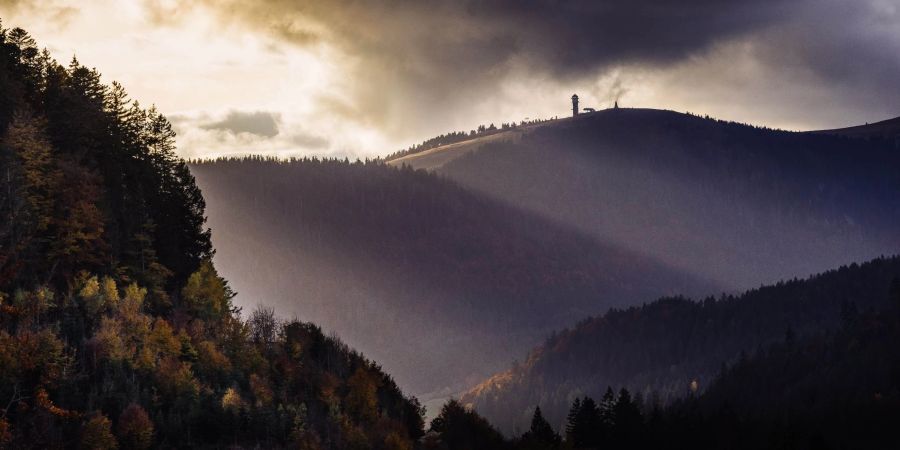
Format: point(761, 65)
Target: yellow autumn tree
point(135, 429)
point(362, 396)
point(232, 401)
point(206, 294)
point(90, 296)
point(110, 292)
point(132, 301)
point(211, 361)
point(161, 342)
point(107, 342)
point(97, 434)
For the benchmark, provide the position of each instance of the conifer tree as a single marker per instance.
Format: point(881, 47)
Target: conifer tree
point(628, 419)
point(541, 435)
point(572, 419)
point(584, 428)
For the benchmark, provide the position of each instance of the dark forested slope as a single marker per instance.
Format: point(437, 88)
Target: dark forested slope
point(737, 204)
point(828, 389)
point(439, 284)
point(115, 328)
point(659, 349)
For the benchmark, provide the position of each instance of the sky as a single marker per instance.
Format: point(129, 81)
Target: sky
point(357, 79)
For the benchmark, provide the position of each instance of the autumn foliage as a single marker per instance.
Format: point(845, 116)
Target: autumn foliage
point(116, 331)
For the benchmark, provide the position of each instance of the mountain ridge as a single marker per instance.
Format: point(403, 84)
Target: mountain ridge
point(659, 349)
point(884, 129)
point(434, 158)
point(413, 251)
point(727, 204)
point(736, 203)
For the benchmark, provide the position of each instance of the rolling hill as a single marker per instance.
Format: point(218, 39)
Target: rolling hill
point(736, 204)
point(441, 285)
point(447, 274)
point(885, 129)
point(659, 349)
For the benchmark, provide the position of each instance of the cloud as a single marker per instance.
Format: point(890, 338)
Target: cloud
point(374, 76)
point(412, 64)
point(13, 4)
point(259, 123)
point(563, 37)
point(833, 65)
point(56, 11)
point(164, 12)
point(205, 134)
point(309, 141)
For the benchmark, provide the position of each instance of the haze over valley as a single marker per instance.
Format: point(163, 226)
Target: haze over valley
point(500, 249)
point(449, 225)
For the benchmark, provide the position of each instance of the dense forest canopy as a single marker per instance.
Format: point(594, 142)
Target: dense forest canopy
point(454, 137)
point(831, 389)
point(92, 180)
point(115, 328)
point(662, 350)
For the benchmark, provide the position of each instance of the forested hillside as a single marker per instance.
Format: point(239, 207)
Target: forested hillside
point(664, 349)
point(827, 390)
point(736, 204)
point(115, 328)
point(440, 285)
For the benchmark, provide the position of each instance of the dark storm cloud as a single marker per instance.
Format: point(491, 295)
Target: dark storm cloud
point(849, 42)
point(416, 60)
point(259, 123)
point(561, 36)
point(576, 36)
point(843, 52)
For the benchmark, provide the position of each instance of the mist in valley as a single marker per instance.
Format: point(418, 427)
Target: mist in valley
point(440, 285)
point(445, 277)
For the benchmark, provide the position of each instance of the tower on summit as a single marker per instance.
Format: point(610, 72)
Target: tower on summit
point(574, 105)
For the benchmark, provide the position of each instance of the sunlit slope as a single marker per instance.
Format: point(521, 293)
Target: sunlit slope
point(740, 205)
point(436, 157)
point(440, 285)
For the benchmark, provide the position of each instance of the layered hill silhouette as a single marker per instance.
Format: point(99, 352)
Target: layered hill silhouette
point(520, 231)
point(441, 285)
point(736, 204)
point(117, 330)
point(674, 348)
point(834, 385)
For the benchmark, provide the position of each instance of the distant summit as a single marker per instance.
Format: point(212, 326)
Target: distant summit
point(886, 129)
point(739, 204)
point(520, 230)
